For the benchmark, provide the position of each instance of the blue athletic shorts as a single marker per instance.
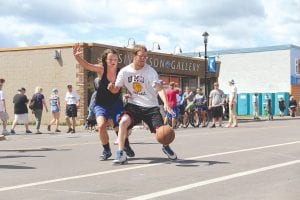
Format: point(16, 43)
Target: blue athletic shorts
point(110, 112)
point(175, 110)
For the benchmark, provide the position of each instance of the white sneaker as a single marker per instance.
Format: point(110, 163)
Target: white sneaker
point(116, 142)
point(5, 132)
point(120, 158)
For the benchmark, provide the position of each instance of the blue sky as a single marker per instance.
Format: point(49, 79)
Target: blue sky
point(231, 24)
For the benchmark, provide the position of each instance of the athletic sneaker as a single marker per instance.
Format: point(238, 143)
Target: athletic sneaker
point(69, 130)
point(213, 126)
point(128, 150)
point(106, 154)
point(49, 127)
point(120, 158)
point(12, 131)
point(5, 132)
point(169, 152)
point(28, 131)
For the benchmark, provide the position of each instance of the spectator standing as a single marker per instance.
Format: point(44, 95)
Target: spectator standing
point(232, 122)
point(226, 107)
point(20, 101)
point(172, 102)
point(40, 103)
point(281, 104)
point(91, 118)
point(216, 102)
point(55, 110)
point(72, 104)
point(255, 106)
point(187, 102)
point(3, 113)
point(200, 101)
point(292, 106)
point(269, 107)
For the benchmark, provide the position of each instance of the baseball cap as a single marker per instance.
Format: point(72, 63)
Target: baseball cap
point(231, 81)
point(22, 89)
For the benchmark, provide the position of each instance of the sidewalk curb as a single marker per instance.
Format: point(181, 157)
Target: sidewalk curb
point(2, 137)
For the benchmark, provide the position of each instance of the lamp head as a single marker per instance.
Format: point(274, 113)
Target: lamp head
point(205, 37)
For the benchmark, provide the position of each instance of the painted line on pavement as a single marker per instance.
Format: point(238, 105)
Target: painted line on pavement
point(211, 181)
point(136, 167)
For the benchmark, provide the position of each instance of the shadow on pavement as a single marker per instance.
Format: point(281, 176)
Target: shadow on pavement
point(195, 163)
point(15, 167)
point(21, 156)
point(178, 162)
point(31, 150)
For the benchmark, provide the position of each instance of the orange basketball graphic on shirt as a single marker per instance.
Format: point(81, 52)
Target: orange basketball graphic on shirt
point(137, 87)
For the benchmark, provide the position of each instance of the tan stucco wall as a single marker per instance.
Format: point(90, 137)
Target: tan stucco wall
point(37, 67)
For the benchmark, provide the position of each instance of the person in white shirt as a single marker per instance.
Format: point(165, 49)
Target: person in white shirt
point(72, 104)
point(143, 84)
point(255, 106)
point(3, 113)
point(232, 104)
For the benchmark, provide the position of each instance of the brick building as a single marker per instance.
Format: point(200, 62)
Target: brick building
point(53, 66)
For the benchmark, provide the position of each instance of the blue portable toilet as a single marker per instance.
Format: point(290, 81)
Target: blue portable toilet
point(243, 105)
point(272, 97)
point(259, 98)
point(285, 96)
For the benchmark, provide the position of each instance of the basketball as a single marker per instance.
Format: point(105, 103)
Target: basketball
point(165, 135)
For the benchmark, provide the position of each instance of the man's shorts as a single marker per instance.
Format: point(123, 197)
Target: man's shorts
point(4, 116)
point(21, 118)
point(71, 110)
point(217, 111)
point(110, 112)
point(151, 116)
point(175, 111)
point(201, 108)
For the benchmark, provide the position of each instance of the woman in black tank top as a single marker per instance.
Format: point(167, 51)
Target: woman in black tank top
point(107, 103)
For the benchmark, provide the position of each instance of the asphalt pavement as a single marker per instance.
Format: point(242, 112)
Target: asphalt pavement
point(257, 160)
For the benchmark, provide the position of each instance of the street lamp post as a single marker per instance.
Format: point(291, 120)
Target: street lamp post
point(132, 43)
point(177, 49)
point(205, 37)
point(158, 46)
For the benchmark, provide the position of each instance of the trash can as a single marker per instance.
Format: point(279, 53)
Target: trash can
point(285, 96)
point(243, 107)
point(272, 97)
point(259, 98)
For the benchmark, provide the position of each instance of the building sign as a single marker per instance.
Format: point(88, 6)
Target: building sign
point(163, 63)
point(212, 64)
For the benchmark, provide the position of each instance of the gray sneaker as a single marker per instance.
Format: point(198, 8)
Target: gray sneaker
point(169, 152)
point(120, 158)
point(5, 132)
point(105, 154)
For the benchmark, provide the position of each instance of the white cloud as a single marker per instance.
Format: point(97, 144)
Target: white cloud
point(230, 23)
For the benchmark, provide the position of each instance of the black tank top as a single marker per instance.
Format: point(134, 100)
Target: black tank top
point(104, 96)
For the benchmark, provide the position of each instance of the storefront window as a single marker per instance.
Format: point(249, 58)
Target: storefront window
point(298, 66)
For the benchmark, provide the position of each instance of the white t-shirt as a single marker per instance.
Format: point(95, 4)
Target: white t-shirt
point(72, 97)
point(232, 91)
point(254, 99)
point(1, 101)
point(140, 84)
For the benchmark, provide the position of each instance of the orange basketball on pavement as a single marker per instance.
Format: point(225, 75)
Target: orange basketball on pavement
point(165, 135)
